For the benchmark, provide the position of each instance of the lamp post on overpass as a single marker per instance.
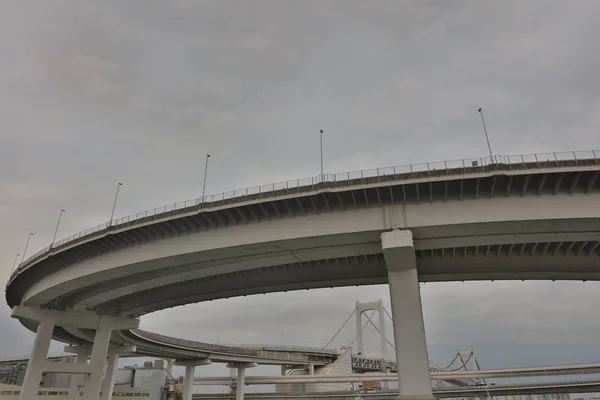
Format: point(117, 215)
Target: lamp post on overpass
point(205, 173)
point(112, 214)
point(487, 138)
point(15, 263)
point(57, 225)
point(26, 246)
point(321, 155)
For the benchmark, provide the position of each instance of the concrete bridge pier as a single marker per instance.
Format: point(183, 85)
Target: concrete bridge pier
point(78, 381)
point(38, 356)
point(108, 384)
point(414, 380)
point(241, 378)
point(47, 320)
point(190, 375)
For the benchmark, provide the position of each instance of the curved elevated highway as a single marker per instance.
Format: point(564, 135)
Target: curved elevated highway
point(510, 218)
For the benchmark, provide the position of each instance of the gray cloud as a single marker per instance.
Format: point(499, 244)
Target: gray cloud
point(138, 92)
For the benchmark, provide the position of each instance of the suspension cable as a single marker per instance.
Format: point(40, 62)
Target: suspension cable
point(464, 363)
point(363, 328)
point(378, 331)
point(394, 347)
point(339, 330)
point(388, 314)
point(449, 365)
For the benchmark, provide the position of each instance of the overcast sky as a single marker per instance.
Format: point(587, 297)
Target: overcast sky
point(92, 94)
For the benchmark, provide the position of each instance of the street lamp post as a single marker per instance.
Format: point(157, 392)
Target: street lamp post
point(112, 214)
point(486, 135)
point(57, 225)
point(14, 263)
point(26, 246)
point(205, 173)
point(321, 155)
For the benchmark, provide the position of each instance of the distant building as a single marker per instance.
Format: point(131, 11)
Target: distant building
point(557, 396)
point(12, 392)
point(147, 381)
point(151, 376)
point(14, 374)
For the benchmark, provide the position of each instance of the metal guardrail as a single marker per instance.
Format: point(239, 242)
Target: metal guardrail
point(230, 350)
point(543, 387)
point(293, 349)
point(409, 171)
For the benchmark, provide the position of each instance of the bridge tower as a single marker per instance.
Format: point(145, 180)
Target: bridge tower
point(360, 309)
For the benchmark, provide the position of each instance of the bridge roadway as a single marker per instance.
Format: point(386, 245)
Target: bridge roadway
point(562, 370)
point(516, 218)
point(154, 345)
point(588, 386)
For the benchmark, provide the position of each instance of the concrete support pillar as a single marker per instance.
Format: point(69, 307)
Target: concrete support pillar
point(188, 383)
point(283, 370)
point(97, 362)
point(109, 379)
point(414, 380)
point(232, 374)
point(78, 381)
point(241, 378)
point(311, 369)
point(241, 383)
point(170, 368)
point(37, 359)
point(48, 319)
point(359, 332)
point(190, 369)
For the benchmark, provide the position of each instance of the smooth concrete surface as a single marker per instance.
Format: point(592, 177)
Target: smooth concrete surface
point(190, 369)
point(39, 352)
point(97, 362)
point(240, 380)
point(108, 384)
point(431, 226)
point(235, 248)
point(412, 360)
point(241, 384)
point(188, 382)
point(80, 319)
point(78, 381)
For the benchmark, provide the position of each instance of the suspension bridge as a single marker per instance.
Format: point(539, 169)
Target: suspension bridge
point(369, 330)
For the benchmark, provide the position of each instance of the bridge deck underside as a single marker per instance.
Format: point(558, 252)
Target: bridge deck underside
point(365, 267)
point(516, 250)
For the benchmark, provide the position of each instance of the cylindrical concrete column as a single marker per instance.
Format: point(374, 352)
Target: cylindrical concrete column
point(97, 362)
point(188, 383)
point(78, 380)
point(414, 379)
point(232, 374)
point(170, 368)
point(38, 356)
point(359, 331)
point(109, 379)
point(382, 336)
point(241, 382)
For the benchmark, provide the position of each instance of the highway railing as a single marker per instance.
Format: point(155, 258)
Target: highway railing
point(292, 349)
point(439, 392)
point(229, 350)
point(325, 181)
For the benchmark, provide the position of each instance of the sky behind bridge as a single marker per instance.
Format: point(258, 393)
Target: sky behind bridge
point(138, 92)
